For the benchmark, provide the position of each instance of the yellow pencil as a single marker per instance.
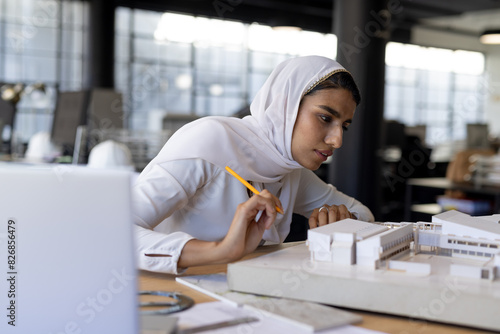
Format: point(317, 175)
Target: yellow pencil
point(248, 185)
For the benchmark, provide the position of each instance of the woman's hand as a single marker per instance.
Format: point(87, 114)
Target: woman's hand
point(245, 233)
point(328, 214)
point(243, 237)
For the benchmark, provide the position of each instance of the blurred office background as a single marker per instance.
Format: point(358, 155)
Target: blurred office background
point(143, 68)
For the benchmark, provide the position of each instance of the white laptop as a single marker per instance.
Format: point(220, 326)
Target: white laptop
point(66, 251)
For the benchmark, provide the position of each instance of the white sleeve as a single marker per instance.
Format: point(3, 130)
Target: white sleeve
point(313, 193)
point(168, 246)
point(157, 193)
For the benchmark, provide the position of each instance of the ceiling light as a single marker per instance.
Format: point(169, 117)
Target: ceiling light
point(216, 90)
point(184, 81)
point(287, 28)
point(285, 24)
point(490, 37)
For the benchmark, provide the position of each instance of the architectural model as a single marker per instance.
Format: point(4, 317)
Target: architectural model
point(446, 270)
point(387, 246)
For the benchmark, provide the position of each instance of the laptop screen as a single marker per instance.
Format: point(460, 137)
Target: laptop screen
point(66, 251)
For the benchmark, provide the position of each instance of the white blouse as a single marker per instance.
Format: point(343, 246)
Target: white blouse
point(176, 201)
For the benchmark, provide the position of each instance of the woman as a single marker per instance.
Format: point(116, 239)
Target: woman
point(203, 215)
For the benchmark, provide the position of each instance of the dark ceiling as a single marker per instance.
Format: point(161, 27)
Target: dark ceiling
point(315, 15)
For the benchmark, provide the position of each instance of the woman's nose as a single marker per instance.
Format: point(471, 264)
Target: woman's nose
point(334, 137)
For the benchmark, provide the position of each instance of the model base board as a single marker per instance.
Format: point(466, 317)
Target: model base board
point(436, 296)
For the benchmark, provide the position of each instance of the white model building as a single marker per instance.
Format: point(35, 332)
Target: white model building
point(337, 242)
point(475, 240)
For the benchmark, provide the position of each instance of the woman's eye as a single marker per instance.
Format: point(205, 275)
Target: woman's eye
point(345, 128)
point(326, 119)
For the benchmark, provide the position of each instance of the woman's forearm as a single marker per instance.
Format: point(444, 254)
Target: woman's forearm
point(198, 252)
point(243, 235)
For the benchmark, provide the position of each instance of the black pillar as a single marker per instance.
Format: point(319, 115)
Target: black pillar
point(361, 27)
point(101, 44)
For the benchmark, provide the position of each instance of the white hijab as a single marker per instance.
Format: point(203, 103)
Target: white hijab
point(258, 147)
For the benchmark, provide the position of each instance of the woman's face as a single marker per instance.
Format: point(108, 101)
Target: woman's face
point(321, 121)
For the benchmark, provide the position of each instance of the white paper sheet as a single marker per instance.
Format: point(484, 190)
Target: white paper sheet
point(305, 317)
point(212, 312)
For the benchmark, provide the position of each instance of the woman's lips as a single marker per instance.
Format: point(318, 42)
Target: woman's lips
point(323, 155)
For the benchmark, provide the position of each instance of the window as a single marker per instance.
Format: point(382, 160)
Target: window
point(182, 64)
point(41, 41)
point(442, 89)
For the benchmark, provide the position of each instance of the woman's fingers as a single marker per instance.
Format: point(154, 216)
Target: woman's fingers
point(266, 203)
point(343, 213)
point(250, 220)
point(328, 214)
point(275, 200)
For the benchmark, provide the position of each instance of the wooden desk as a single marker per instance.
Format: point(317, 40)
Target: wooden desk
point(374, 321)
